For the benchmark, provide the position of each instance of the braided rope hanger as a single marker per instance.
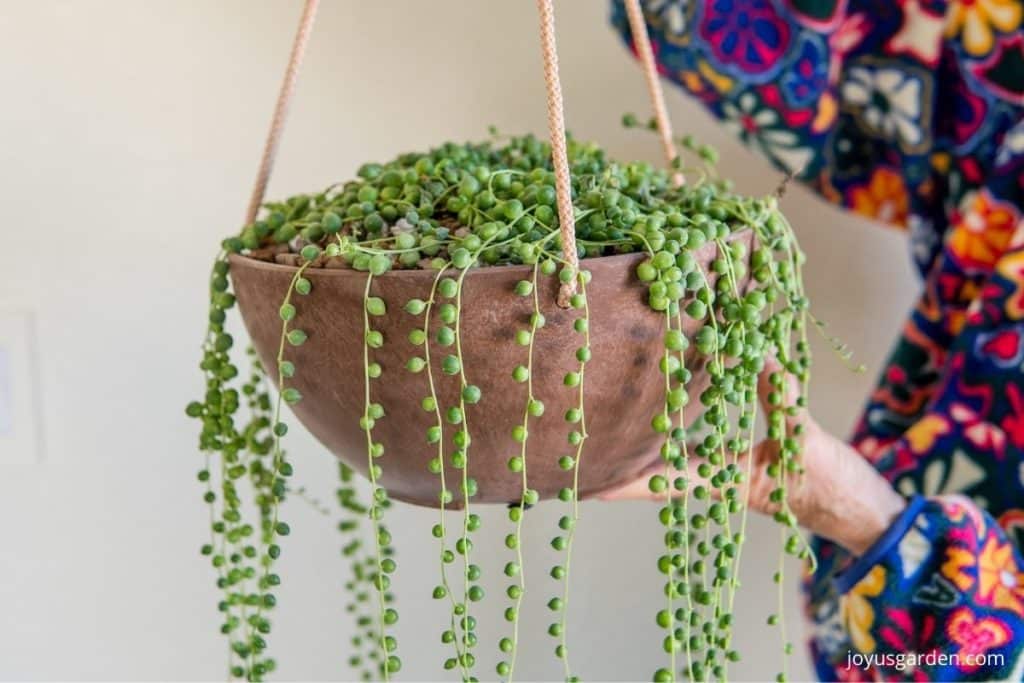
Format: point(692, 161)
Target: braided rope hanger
point(642, 42)
point(556, 119)
point(284, 99)
point(559, 156)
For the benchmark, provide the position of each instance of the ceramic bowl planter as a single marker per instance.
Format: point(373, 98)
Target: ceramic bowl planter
point(624, 385)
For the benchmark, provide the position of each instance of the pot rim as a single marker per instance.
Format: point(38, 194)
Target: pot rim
point(431, 273)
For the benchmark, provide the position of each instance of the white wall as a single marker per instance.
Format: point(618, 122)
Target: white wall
point(129, 135)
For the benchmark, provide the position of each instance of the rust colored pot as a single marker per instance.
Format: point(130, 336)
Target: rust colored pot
point(624, 387)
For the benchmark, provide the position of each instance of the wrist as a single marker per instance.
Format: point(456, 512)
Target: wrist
point(864, 519)
point(855, 505)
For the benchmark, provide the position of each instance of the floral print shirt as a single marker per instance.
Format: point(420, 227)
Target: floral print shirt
point(910, 112)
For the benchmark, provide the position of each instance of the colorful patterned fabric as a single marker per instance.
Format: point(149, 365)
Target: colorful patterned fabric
point(910, 112)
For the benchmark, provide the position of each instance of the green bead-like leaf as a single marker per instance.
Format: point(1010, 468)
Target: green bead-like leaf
point(375, 306)
point(415, 306)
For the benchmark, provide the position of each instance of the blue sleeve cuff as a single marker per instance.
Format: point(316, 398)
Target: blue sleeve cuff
point(892, 536)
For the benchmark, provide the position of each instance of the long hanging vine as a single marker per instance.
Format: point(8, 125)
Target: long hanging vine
point(509, 646)
point(577, 436)
point(436, 465)
point(708, 260)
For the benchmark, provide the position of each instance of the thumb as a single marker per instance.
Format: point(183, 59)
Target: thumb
point(639, 488)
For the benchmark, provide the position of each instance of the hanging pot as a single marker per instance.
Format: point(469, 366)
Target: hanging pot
point(624, 385)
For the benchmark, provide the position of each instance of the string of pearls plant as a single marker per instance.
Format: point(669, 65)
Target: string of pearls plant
point(465, 206)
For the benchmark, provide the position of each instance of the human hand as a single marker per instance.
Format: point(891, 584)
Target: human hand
point(839, 496)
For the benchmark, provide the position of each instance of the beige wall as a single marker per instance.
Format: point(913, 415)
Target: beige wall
point(129, 134)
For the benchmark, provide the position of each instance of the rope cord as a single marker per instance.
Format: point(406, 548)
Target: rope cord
point(642, 42)
point(559, 157)
point(284, 98)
